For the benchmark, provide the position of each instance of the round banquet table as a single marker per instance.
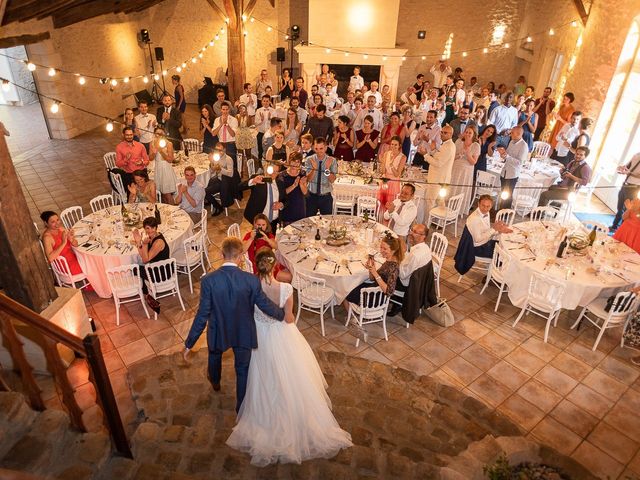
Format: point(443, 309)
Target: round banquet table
point(199, 161)
point(541, 171)
point(105, 242)
point(342, 267)
point(598, 271)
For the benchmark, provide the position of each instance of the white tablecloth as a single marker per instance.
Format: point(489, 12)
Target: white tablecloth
point(541, 172)
point(199, 161)
point(598, 271)
point(342, 267)
point(104, 242)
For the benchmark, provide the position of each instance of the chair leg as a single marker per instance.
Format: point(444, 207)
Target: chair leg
point(190, 281)
point(486, 283)
point(348, 316)
point(577, 322)
point(179, 296)
point(548, 326)
point(499, 297)
point(115, 300)
point(299, 308)
point(333, 315)
point(524, 309)
point(144, 304)
point(384, 326)
point(322, 310)
point(459, 278)
point(599, 337)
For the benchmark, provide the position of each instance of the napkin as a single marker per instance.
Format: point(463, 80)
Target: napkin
point(326, 267)
point(357, 267)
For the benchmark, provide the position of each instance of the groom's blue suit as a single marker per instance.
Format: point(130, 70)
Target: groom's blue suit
point(227, 300)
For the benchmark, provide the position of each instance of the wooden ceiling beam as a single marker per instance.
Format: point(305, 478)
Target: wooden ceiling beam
point(221, 13)
point(3, 8)
point(582, 11)
point(8, 42)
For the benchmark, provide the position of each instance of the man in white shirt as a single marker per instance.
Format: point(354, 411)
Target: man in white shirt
point(348, 106)
point(440, 163)
point(356, 81)
point(263, 119)
point(428, 138)
point(374, 93)
point(504, 117)
point(474, 87)
point(409, 97)
point(479, 226)
point(401, 212)
point(250, 100)
point(566, 135)
point(300, 112)
point(190, 195)
point(330, 98)
point(440, 71)
point(262, 83)
point(145, 125)
point(514, 156)
point(225, 127)
point(374, 112)
point(221, 100)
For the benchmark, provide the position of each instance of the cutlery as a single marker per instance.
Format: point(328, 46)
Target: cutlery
point(527, 259)
point(619, 276)
point(303, 258)
point(348, 269)
point(516, 248)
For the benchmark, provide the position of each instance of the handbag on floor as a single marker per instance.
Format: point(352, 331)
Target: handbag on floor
point(441, 314)
point(631, 334)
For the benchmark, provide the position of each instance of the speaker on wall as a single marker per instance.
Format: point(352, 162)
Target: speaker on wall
point(159, 54)
point(280, 54)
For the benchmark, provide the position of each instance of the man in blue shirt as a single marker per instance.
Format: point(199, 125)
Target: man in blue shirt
point(317, 167)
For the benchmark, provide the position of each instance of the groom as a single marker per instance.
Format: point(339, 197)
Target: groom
point(227, 298)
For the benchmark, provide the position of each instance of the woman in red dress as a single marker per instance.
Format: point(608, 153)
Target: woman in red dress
point(58, 241)
point(259, 237)
point(629, 231)
point(343, 139)
point(394, 128)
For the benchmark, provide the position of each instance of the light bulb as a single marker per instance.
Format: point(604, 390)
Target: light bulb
point(443, 192)
point(6, 85)
point(217, 37)
point(424, 58)
point(216, 157)
point(125, 79)
point(156, 77)
point(114, 82)
point(200, 54)
point(222, 31)
point(211, 43)
point(328, 50)
point(51, 72)
point(55, 107)
point(184, 65)
point(82, 80)
point(164, 73)
point(506, 45)
point(109, 126)
point(571, 197)
point(552, 31)
point(162, 143)
point(226, 20)
point(270, 169)
point(269, 29)
point(245, 33)
point(529, 39)
point(178, 69)
point(31, 67)
point(504, 195)
point(194, 59)
point(485, 50)
point(286, 37)
point(404, 58)
point(145, 79)
point(464, 54)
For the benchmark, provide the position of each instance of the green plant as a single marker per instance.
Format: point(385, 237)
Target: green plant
point(499, 470)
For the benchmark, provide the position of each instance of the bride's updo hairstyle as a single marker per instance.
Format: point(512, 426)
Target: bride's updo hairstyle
point(265, 261)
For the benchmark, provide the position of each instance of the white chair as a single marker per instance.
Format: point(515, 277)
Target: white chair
point(247, 266)
point(506, 216)
point(526, 196)
point(234, 231)
point(116, 180)
point(70, 216)
point(367, 204)
point(343, 202)
point(541, 150)
point(590, 187)
point(624, 304)
point(558, 205)
point(64, 276)
point(201, 226)
point(590, 225)
point(158, 196)
point(314, 296)
point(101, 202)
point(544, 299)
point(543, 213)
point(192, 144)
point(446, 215)
point(372, 309)
point(251, 167)
point(193, 256)
point(125, 282)
point(497, 273)
point(413, 149)
point(438, 246)
point(485, 185)
point(109, 160)
point(162, 280)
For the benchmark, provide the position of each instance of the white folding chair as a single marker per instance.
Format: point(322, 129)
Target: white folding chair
point(447, 215)
point(125, 282)
point(116, 180)
point(590, 187)
point(485, 185)
point(192, 144)
point(251, 167)
point(234, 231)
point(110, 160)
point(624, 304)
point(497, 273)
point(64, 276)
point(544, 299)
point(70, 216)
point(438, 246)
point(367, 204)
point(526, 196)
point(343, 202)
point(158, 196)
point(201, 226)
point(541, 150)
point(372, 309)
point(413, 149)
point(193, 256)
point(543, 213)
point(506, 216)
point(590, 225)
point(162, 280)
point(247, 266)
point(101, 202)
point(314, 296)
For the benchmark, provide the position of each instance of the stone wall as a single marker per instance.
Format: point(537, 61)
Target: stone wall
point(21, 75)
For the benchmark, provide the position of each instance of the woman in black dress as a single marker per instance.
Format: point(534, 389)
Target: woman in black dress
point(277, 151)
point(286, 84)
point(209, 140)
point(487, 142)
point(153, 248)
point(295, 186)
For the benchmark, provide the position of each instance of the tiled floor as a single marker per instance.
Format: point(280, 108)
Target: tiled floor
point(582, 403)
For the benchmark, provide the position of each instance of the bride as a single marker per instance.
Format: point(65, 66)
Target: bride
point(286, 413)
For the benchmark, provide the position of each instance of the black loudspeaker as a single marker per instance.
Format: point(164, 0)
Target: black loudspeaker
point(159, 54)
point(144, 36)
point(280, 54)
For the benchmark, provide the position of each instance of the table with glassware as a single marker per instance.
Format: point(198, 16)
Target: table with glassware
point(545, 172)
point(359, 179)
point(199, 161)
point(587, 272)
point(339, 256)
point(106, 241)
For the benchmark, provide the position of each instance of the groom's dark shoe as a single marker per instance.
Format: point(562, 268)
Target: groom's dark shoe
point(216, 386)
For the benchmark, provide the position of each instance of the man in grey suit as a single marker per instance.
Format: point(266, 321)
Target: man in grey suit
point(462, 122)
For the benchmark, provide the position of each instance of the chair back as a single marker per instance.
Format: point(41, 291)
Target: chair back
point(311, 290)
point(162, 275)
point(110, 160)
point(367, 204)
point(499, 263)
point(485, 183)
point(590, 225)
point(234, 231)
point(373, 303)
point(454, 205)
point(543, 213)
point(545, 293)
point(192, 144)
point(541, 150)
point(251, 167)
point(202, 224)
point(623, 304)
point(438, 246)
point(70, 216)
point(194, 249)
point(247, 266)
point(124, 280)
point(101, 202)
point(116, 180)
point(506, 216)
point(158, 196)
point(62, 271)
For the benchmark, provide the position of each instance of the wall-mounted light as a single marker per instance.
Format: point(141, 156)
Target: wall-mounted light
point(422, 34)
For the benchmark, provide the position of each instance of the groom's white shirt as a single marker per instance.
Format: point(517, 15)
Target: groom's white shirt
point(229, 264)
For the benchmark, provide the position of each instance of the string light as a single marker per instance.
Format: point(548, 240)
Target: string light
point(164, 73)
point(269, 29)
point(55, 106)
point(51, 72)
point(114, 82)
point(212, 43)
point(504, 195)
point(286, 37)
point(179, 69)
point(346, 54)
point(156, 77)
point(222, 31)
point(6, 85)
point(529, 39)
point(443, 191)
point(217, 37)
point(162, 143)
point(145, 79)
point(109, 126)
point(424, 58)
point(574, 24)
point(253, 19)
point(125, 79)
point(31, 67)
point(245, 33)
point(485, 50)
point(464, 54)
point(404, 58)
point(365, 56)
point(552, 31)
point(384, 59)
point(506, 45)
point(184, 65)
point(194, 59)
point(244, 17)
point(200, 55)
point(328, 50)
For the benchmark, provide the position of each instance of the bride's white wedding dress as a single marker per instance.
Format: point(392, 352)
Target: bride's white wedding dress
point(286, 413)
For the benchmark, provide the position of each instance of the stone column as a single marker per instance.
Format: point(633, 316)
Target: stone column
point(309, 71)
point(389, 76)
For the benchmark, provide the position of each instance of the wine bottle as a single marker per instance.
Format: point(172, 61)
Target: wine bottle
point(592, 236)
point(317, 237)
point(123, 209)
point(562, 247)
point(186, 150)
point(157, 215)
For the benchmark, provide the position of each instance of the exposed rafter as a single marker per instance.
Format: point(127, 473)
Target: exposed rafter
point(217, 9)
point(8, 42)
point(582, 11)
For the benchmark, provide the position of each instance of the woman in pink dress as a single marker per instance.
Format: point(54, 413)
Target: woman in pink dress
point(58, 241)
point(629, 231)
point(394, 128)
point(392, 163)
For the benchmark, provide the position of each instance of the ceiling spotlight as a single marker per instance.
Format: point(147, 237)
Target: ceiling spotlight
point(529, 39)
point(51, 72)
point(384, 59)
point(82, 80)
point(574, 24)
point(327, 50)
point(269, 29)
point(506, 45)
point(365, 56)
point(552, 31)
point(464, 54)
point(346, 54)
point(424, 58)
point(404, 58)
point(55, 106)
point(31, 67)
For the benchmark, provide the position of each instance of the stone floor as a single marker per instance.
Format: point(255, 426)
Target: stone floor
point(582, 403)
